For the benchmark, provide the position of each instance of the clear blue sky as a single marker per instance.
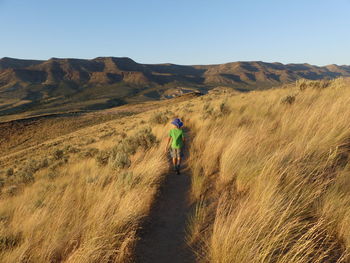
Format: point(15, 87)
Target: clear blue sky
point(178, 31)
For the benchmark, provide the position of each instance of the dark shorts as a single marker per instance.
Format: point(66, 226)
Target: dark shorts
point(176, 153)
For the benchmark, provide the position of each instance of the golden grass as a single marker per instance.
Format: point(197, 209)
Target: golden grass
point(270, 182)
point(85, 212)
point(277, 174)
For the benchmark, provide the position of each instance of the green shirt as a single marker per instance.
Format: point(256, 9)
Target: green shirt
point(177, 136)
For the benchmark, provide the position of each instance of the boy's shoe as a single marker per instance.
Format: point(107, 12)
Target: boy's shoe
point(178, 169)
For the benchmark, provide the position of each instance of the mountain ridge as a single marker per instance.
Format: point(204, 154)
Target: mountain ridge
point(165, 63)
point(103, 82)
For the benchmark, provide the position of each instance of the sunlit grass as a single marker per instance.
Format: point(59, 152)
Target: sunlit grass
point(277, 174)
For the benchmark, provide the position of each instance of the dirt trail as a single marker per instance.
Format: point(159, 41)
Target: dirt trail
point(163, 237)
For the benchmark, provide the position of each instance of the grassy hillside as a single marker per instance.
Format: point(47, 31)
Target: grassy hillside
point(80, 197)
point(76, 188)
point(269, 179)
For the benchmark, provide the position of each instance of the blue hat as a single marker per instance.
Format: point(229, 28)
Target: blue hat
point(177, 122)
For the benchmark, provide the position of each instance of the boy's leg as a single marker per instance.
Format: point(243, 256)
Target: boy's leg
point(178, 161)
point(173, 157)
point(179, 156)
point(174, 162)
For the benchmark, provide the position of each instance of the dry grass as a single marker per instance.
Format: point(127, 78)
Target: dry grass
point(75, 210)
point(274, 176)
point(270, 181)
point(21, 134)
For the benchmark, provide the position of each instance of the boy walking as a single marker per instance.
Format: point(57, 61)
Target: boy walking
point(177, 139)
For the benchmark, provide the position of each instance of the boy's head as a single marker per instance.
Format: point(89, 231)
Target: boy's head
point(177, 122)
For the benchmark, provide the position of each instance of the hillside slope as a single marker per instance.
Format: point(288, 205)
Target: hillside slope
point(271, 175)
point(268, 173)
point(79, 84)
point(80, 189)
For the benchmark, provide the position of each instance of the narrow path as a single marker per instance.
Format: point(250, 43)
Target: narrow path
point(163, 237)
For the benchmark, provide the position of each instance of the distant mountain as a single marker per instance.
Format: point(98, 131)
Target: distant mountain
point(79, 84)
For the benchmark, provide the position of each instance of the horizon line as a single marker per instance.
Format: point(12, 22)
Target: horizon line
point(162, 63)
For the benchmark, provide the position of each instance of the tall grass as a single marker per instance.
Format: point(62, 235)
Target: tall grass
point(84, 212)
point(276, 174)
point(270, 182)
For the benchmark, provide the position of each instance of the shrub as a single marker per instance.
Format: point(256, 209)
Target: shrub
point(39, 204)
point(91, 180)
point(9, 172)
point(102, 157)
point(303, 84)
point(12, 190)
point(2, 183)
point(144, 138)
point(224, 108)
point(120, 160)
point(107, 134)
point(244, 121)
point(51, 174)
point(44, 163)
point(118, 156)
point(4, 217)
point(89, 153)
point(57, 154)
point(9, 241)
point(159, 118)
point(25, 177)
point(33, 166)
point(129, 146)
point(290, 99)
point(70, 149)
point(208, 112)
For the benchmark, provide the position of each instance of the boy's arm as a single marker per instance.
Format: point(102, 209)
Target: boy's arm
point(167, 144)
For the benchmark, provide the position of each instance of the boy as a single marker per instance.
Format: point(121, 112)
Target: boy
point(177, 138)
